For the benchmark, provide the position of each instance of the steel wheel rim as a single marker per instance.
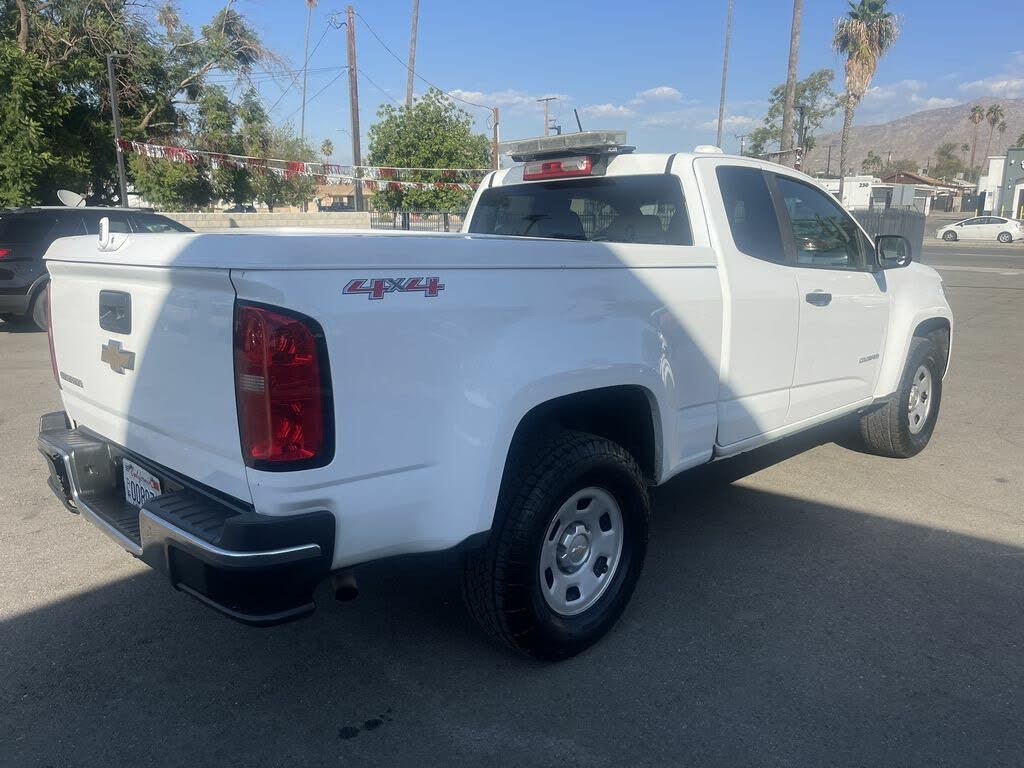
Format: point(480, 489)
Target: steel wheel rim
point(919, 404)
point(581, 551)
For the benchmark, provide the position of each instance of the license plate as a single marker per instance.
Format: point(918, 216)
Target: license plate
point(139, 485)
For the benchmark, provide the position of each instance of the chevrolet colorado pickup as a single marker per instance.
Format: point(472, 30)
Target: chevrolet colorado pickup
point(252, 413)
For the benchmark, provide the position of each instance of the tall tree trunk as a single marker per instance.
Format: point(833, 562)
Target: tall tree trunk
point(851, 103)
point(974, 144)
point(988, 144)
point(786, 141)
point(22, 25)
point(725, 72)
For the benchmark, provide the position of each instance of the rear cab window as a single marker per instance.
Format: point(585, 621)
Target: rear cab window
point(24, 230)
point(642, 209)
point(157, 224)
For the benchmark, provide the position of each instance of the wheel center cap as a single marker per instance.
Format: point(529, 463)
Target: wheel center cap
point(915, 397)
point(573, 548)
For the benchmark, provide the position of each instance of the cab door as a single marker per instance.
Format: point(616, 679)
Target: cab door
point(760, 296)
point(844, 304)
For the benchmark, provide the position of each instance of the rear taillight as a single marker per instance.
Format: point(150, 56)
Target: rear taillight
point(285, 416)
point(49, 334)
point(4, 253)
point(557, 169)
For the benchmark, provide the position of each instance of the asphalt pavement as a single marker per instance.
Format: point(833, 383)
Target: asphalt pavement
point(805, 604)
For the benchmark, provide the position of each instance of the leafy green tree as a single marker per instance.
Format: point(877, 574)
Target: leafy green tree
point(327, 149)
point(900, 165)
point(33, 160)
point(818, 102)
point(434, 133)
point(274, 189)
point(170, 185)
point(863, 35)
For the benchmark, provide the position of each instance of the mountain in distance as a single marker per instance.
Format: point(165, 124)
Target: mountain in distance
point(916, 136)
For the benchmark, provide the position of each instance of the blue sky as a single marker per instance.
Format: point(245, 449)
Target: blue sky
point(653, 68)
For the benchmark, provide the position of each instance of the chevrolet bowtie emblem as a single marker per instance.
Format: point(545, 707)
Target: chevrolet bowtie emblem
point(118, 359)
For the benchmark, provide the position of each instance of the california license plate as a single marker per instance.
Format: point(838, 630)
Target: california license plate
point(139, 485)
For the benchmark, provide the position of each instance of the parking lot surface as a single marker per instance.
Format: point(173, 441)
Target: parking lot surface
point(805, 604)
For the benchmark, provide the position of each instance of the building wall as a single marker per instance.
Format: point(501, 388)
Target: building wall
point(205, 222)
point(1012, 175)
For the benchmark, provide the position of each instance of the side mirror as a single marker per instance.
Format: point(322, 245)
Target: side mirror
point(893, 251)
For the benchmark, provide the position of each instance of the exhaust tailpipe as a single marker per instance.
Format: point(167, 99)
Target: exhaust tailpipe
point(345, 586)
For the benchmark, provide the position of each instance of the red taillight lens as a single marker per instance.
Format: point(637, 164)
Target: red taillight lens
point(4, 253)
point(284, 412)
point(557, 169)
point(49, 334)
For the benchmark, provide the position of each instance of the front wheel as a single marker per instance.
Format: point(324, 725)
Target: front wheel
point(1005, 237)
point(949, 236)
point(903, 426)
point(567, 548)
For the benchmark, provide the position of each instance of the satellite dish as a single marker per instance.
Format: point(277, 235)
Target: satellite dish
point(70, 199)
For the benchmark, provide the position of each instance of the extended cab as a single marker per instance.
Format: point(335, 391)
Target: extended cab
point(253, 412)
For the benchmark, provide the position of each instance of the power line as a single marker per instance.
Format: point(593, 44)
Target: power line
point(370, 81)
point(314, 96)
point(295, 80)
point(398, 58)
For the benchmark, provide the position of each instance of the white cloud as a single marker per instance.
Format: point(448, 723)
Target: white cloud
point(506, 98)
point(1001, 85)
point(731, 121)
point(607, 111)
point(658, 93)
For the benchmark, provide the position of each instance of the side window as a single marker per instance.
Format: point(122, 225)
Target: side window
point(118, 222)
point(157, 224)
point(751, 213)
point(824, 234)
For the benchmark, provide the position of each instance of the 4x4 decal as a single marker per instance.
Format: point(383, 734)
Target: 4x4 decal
point(376, 288)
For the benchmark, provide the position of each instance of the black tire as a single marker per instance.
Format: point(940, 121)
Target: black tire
point(502, 582)
point(38, 313)
point(886, 431)
point(949, 236)
point(1005, 237)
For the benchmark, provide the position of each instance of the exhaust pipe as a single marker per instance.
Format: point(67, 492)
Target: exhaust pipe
point(344, 585)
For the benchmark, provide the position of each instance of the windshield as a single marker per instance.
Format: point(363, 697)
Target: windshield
point(620, 209)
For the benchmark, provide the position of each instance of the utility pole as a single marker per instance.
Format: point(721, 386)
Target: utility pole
point(725, 72)
point(801, 131)
point(121, 180)
point(310, 5)
point(353, 103)
point(786, 141)
point(546, 101)
point(412, 53)
point(743, 142)
point(495, 114)
point(828, 163)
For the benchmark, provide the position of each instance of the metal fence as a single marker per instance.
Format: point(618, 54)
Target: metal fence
point(418, 221)
point(894, 221)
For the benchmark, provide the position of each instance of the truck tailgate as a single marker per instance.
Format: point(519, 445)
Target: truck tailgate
point(159, 378)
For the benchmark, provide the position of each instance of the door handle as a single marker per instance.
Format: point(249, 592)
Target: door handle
point(819, 298)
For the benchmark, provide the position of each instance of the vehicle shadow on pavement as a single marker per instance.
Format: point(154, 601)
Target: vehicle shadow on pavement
point(6, 327)
point(767, 629)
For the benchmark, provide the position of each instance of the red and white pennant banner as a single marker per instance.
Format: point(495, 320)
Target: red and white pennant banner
point(373, 178)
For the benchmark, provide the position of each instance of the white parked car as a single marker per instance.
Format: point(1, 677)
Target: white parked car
point(983, 228)
point(251, 413)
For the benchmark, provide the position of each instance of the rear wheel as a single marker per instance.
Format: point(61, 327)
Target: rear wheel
point(567, 548)
point(903, 426)
point(949, 236)
point(1005, 237)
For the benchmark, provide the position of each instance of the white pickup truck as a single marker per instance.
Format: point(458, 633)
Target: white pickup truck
point(252, 413)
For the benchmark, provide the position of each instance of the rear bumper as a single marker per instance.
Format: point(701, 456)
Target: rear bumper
point(257, 569)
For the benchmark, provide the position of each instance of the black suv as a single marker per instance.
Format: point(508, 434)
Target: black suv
point(26, 233)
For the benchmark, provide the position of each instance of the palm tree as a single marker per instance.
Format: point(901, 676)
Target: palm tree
point(725, 72)
point(786, 142)
point(863, 35)
point(1002, 129)
point(964, 149)
point(994, 115)
point(977, 117)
